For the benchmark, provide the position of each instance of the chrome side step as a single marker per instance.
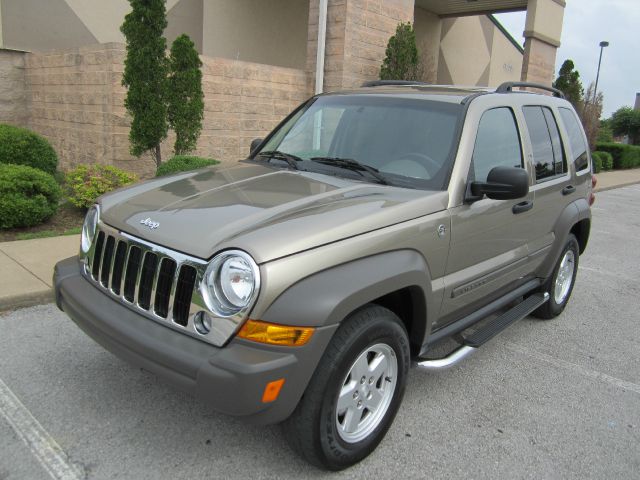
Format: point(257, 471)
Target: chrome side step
point(486, 333)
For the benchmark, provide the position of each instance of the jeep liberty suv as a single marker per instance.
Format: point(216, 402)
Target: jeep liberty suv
point(370, 226)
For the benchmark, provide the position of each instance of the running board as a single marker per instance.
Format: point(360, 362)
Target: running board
point(486, 333)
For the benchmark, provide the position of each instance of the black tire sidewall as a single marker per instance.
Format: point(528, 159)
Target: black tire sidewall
point(571, 244)
point(385, 329)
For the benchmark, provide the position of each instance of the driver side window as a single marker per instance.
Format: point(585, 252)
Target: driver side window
point(497, 143)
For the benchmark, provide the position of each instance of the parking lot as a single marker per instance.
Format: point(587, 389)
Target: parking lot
point(546, 399)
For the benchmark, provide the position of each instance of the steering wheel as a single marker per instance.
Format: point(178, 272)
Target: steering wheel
point(414, 164)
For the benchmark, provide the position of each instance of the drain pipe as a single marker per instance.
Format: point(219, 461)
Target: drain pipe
point(322, 35)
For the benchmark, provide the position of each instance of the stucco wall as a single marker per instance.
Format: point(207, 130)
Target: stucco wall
point(273, 32)
point(77, 102)
point(428, 28)
point(13, 93)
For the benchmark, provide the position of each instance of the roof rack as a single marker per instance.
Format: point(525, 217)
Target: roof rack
point(381, 83)
point(507, 87)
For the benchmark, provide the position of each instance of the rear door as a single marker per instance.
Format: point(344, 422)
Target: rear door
point(489, 238)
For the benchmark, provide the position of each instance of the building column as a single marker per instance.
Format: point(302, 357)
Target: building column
point(542, 39)
point(357, 36)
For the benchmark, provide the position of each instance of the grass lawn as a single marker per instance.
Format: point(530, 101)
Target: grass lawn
point(66, 221)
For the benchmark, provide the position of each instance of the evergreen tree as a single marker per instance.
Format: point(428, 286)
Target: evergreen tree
point(184, 97)
point(401, 61)
point(145, 75)
point(568, 82)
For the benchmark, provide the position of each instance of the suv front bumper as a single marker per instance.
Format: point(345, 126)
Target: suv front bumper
point(231, 379)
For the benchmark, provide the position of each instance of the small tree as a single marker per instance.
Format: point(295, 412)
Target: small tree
point(145, 75)
point(590, 115)
point(568, 82)
point(401, 61)
point(184, 97)
point(626, 121)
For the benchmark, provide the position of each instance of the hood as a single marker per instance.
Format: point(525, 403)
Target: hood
point(268, 212)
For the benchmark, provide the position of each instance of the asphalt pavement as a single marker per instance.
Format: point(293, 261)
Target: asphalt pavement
point(555, 399)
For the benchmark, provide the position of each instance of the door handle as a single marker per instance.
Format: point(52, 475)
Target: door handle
point(522, 207)
point(568, 190)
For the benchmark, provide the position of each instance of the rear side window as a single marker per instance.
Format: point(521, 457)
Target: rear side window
point(497, 143)
point(576, 138)
point(548, 154)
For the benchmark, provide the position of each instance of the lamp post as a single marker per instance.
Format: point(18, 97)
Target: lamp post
point(602, 45)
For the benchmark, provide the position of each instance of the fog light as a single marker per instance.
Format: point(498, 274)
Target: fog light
point(202, 323)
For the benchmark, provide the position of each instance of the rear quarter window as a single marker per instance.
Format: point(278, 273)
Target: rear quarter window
point(576, 138)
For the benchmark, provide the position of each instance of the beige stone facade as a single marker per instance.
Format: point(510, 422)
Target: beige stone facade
point(68, 87)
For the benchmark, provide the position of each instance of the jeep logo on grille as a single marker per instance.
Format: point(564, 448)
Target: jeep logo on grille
point(150, 223)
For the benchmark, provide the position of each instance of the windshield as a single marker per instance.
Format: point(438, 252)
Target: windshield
point(409, 141)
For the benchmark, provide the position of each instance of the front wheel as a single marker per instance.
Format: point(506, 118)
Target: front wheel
point(560, 284)
point(355, 392)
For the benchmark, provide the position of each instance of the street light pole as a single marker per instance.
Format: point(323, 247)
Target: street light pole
point(602, 45)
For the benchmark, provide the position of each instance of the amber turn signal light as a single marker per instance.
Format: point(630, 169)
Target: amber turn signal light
point(274, 334)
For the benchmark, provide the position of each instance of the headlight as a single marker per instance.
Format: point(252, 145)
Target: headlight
point(230, 282)
point(89, 228)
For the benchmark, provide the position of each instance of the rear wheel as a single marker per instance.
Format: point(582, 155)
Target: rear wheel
point(560, 284)
point(355, 392)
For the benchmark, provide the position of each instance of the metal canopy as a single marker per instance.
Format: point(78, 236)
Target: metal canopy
point(446, 8)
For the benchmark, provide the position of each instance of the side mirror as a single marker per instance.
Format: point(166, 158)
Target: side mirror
point(255, 143)
point(503, 183)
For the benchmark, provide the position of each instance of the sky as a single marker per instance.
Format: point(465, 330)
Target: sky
point(586, 23)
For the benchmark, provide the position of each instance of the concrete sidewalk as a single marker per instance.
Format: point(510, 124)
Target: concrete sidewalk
point(26, 266)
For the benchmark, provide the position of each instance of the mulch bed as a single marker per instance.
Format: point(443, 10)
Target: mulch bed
point(66, 220)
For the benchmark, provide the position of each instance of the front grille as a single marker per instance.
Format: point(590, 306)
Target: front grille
point(158, 281)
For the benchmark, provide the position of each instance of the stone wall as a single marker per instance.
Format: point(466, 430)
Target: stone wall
point(77, 101)
point(13, 93)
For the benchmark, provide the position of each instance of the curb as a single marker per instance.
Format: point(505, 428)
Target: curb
point(26, 300)
point(613, 187)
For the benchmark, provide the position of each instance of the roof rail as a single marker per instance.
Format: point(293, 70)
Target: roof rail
point(507, 87)
point(382, 83)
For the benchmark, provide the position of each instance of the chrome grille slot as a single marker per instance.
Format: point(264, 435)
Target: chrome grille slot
point(131, 273)
point(145, 287)
point(107, 257)
point(97, 256)
point(163, 287)
point(184, 290)
point(118, 266)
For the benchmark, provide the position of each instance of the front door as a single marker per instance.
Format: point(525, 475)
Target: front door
point(489, 238)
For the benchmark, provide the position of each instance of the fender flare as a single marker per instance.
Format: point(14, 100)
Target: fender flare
point(572, 214)
point(328, 297)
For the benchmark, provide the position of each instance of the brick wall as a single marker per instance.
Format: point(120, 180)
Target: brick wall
point(13, 94)
point(77, 101)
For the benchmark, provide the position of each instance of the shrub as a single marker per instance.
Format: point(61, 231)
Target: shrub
point(631, 158)
point(28, 196)
point(86, 183)
point(596, 157)
point(183, 163)
point(24, 147)
point(617, 151)
point(607, 161)
point(401, 59)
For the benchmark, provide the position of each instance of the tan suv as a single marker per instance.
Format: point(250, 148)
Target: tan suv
point(370, 226)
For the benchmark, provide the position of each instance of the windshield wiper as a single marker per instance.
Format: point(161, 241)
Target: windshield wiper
point(351, 164)
point(292, 160)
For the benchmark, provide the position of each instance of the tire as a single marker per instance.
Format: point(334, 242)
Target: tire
point(559, 290)
point(316, 429)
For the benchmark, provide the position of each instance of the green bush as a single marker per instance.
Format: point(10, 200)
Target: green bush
point(631, 158)
point(596, 157)
point(85, 183)
point(28, 196)
point(20, 146)
point(183, 163)
point(617, 151)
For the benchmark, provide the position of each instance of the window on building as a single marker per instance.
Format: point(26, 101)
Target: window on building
point(548, 154)
point(576, 138)
point(497, 143)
